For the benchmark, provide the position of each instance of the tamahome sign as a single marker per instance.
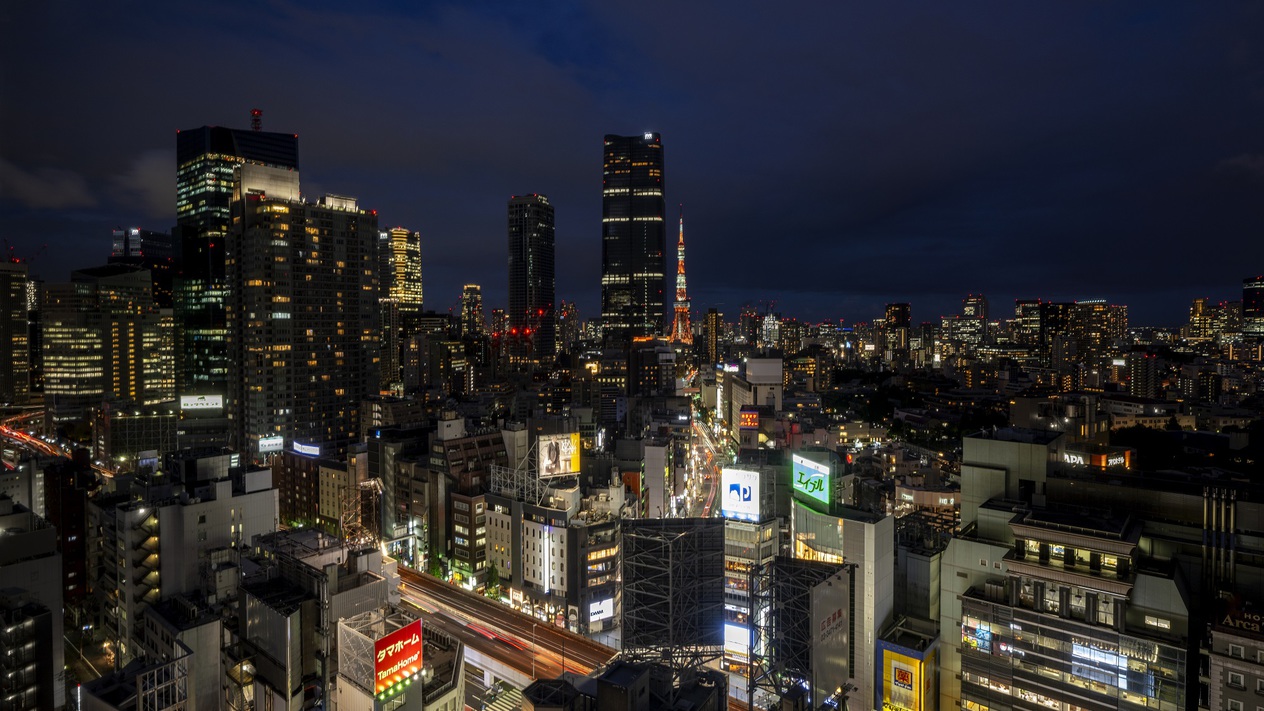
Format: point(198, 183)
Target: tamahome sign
point(1247, 620)
point(397, 659)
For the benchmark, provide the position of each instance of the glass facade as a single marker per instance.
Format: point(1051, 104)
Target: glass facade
point(633, 238)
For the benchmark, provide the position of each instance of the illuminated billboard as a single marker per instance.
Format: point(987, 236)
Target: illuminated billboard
point(201, 402)
point(811, 479)
point(558, 454)
point(271, 443)
point(601, 610)
point(737, 639)
point(907, 682)
point(748, 419)
point(396, 659)
point(740, 491)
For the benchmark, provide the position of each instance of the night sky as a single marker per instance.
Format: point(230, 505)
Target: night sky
point(831, 156)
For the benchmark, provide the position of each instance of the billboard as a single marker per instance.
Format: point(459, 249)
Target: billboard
point(831, 628)
point(601, 610)
point(737, 639)
point(201, 402)
point(558, 454)
point(811, 479)
point(271, 443)
point(748, 419)
point(310, 450)
point(740, 491)
point(396, 658)
point(906, 681)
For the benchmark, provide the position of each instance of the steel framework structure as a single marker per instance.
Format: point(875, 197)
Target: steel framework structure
point(673, 592)
point(781, 651)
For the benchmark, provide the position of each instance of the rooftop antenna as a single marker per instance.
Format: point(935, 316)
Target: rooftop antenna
point(256, 119)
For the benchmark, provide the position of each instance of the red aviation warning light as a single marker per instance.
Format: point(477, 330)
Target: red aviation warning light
point(397, 660)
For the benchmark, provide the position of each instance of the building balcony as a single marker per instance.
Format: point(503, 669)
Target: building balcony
point(1117, 583)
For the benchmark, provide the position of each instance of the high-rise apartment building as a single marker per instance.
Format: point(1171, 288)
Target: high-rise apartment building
point(206, 158)
point(32, 674)
point(1253, 307)
point(472, 323)
point(533, 334)
point(898, 320)
point(303, 317)
point(15, 363)
point(633, 238)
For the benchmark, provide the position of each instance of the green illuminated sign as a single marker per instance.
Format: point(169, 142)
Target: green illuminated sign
point(811, 479)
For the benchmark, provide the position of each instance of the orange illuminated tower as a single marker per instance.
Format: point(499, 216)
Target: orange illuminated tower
point(682, 329)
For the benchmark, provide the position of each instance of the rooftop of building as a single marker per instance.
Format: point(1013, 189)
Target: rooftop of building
point(1022, 435)
point(911, 633)
point(1100, 523)
point(278, 594)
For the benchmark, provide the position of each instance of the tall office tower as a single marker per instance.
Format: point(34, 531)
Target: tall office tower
point(1200, 315)
point(971, 328)
point(304, 331)
point(633, 238)
point(399, 257)
point(533, 335)
point(499, 321)
point(101, 337)
point(472, 324)
point(205, 160)
point(1226, 322)
point(569, 329)
point(711, 327)
point(35, 332)
point(682, 327)
point(15, 350)
point(898, 319)
point(154, 251)
point(1026, 328)
point(974, 306)
point(1253, 307)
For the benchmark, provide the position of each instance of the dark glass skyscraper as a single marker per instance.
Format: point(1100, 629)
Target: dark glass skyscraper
point(1253, 307)
point(205, 159)
point(531, 278)
point(633, 238)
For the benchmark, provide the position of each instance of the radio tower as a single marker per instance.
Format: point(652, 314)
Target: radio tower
point(682, 329)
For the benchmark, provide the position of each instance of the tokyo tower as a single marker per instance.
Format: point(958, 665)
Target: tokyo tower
point(682, 329)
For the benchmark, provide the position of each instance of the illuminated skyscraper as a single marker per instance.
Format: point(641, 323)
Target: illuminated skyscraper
point(205, 161)
point(15, 364)
point(399, 256)
point(682, 328)
point(633, 238)
point(711, 327)
point(472, 323)
point(531, 281)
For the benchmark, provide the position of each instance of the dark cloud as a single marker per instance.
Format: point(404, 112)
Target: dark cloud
point(831, 157)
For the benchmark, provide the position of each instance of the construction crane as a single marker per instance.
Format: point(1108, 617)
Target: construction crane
point(11, 255)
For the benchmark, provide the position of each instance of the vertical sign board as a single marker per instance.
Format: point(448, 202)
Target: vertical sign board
point(831, 635)
point(396, 657)
point(812, 480)
point(905, 678)
point(558, 454)
point(740, 491)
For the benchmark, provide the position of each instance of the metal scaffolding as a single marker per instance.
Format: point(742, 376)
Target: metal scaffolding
point(673, 593)
point(783, 645)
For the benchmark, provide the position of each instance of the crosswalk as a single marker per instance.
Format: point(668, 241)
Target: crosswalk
point(509, 700)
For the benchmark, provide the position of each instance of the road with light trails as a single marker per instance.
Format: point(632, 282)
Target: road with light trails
point(551, 644)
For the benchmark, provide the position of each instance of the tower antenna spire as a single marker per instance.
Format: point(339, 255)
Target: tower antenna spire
point(682, 328)
point(256, 119)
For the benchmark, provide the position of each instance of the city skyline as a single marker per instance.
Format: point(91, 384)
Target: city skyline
point(918, 157)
